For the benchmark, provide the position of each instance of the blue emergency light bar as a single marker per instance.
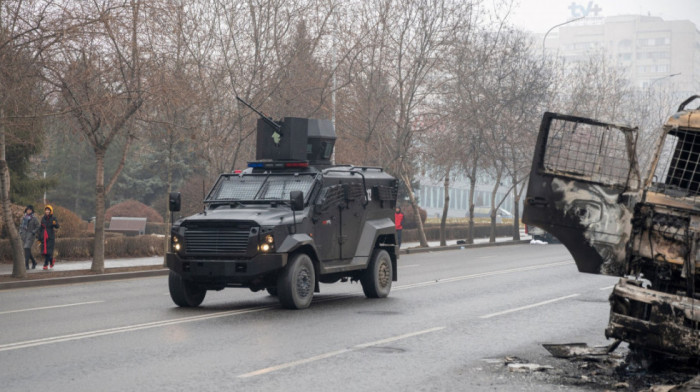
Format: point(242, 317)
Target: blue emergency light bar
point(278, 165)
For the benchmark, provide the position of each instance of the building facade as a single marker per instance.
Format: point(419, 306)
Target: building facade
point(653, 51)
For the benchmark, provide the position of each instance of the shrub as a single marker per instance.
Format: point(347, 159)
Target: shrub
point(17, 213)
point(71, 224)
point(409, 218)
point(81, 248)
point(133, 209)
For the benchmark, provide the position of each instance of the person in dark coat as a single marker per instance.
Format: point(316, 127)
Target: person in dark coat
point(27, 231)
point(47, 236)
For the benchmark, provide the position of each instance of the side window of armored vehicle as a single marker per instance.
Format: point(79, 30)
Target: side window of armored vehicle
point(329, 199)
point(677, 172)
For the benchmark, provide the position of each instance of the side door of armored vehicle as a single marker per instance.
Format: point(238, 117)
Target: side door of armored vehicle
point(584, 182)
point(338, 216)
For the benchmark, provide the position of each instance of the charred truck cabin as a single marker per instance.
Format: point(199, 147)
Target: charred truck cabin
point(586, 188)
point(288, 222)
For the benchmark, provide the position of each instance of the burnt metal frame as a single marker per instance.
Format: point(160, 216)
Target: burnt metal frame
point(630, 134)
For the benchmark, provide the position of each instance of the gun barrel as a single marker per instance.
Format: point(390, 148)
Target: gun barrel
point(268, 120)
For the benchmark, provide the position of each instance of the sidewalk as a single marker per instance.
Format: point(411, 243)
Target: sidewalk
point(6, 269)
point(408, 245)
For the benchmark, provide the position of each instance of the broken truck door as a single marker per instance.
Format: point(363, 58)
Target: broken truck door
point(583, 185)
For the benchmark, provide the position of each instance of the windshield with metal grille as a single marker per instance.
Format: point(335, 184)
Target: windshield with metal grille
point(259, 187)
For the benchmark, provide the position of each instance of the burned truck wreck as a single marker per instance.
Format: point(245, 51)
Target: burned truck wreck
point(587, 189)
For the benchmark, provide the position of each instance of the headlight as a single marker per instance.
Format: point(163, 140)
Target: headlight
point(269, 239)
point(265, 247)
point(176, 247)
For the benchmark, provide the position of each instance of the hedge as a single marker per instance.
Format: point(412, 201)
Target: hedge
point(82, 248)
point(432, 233)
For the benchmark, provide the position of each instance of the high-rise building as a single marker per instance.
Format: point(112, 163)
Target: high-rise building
point(653, 51)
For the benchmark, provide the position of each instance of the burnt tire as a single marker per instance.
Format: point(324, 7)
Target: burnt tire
point(296, 283)
point(376, 280)
point(184, 293)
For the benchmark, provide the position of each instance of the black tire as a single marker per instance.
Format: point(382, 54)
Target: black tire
point(376, 280)
point(296, 283)
point(185, 294)
point(272, 291)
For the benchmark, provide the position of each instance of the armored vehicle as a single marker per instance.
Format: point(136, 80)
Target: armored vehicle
point(587, 189)
point(287, 223)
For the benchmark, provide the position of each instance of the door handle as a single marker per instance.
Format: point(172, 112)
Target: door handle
point(537, 201)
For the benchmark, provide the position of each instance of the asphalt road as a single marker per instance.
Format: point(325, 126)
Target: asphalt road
point(447, 320)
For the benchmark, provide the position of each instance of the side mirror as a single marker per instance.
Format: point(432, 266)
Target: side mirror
point(174, 202)
point(297, 200)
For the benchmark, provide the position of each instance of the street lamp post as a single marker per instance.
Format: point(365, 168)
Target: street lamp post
point(554, 27)
point(662, 78)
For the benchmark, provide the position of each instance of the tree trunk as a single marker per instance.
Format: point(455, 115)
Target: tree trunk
point(470, 234)
point(98, 256)
point(516, 210)
point(412, 198)
point(494, 207)
point(167, 202)
point(445, 208)
point(18, 270)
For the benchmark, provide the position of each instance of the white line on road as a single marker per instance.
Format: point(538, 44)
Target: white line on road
point(607, 288)
point(528, 306)
point(481, 275)
point(50, 307)
point(128, 328)
point(336, 353)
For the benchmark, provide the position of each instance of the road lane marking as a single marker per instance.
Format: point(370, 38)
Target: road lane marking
point(607, 288)
point(128, 328)
point(528, 306)
point(336, 353)
point(50, 307)
point(163, 323)
point(480, 275)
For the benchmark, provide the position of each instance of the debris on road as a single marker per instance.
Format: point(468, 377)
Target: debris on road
point(576, 350)
point(527, 367)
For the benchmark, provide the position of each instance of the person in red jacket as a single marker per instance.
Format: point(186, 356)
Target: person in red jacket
point(398, 220)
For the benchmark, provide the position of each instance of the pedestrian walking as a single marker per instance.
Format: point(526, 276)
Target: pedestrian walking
point(28, 228)
point(47, 236)
point(398, 221)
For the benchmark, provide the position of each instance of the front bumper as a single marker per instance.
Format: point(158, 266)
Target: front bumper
point(226, 271)
point(654, 320)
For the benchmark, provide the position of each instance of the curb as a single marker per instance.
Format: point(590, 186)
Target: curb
point(455, 247)
point(164, 271)
point(82, 279)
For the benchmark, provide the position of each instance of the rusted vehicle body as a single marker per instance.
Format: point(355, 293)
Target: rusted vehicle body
point(587, 189)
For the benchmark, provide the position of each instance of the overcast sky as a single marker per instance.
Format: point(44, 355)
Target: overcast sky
point(539, 15)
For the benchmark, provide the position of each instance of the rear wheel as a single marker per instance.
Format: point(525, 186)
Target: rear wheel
point(295, 284)
point(272, 291)
point(376, 280)
point(185, 293)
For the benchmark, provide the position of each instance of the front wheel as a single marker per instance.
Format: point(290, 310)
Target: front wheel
point(184, 293)
point(295, 284)
point(376, 280)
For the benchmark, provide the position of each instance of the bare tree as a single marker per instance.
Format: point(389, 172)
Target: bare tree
point(100, 77)
point(27, 29)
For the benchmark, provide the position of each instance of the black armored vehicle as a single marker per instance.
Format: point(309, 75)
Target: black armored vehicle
point(288, 222)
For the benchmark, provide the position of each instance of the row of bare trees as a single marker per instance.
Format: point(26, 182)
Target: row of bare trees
point(411, 84)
